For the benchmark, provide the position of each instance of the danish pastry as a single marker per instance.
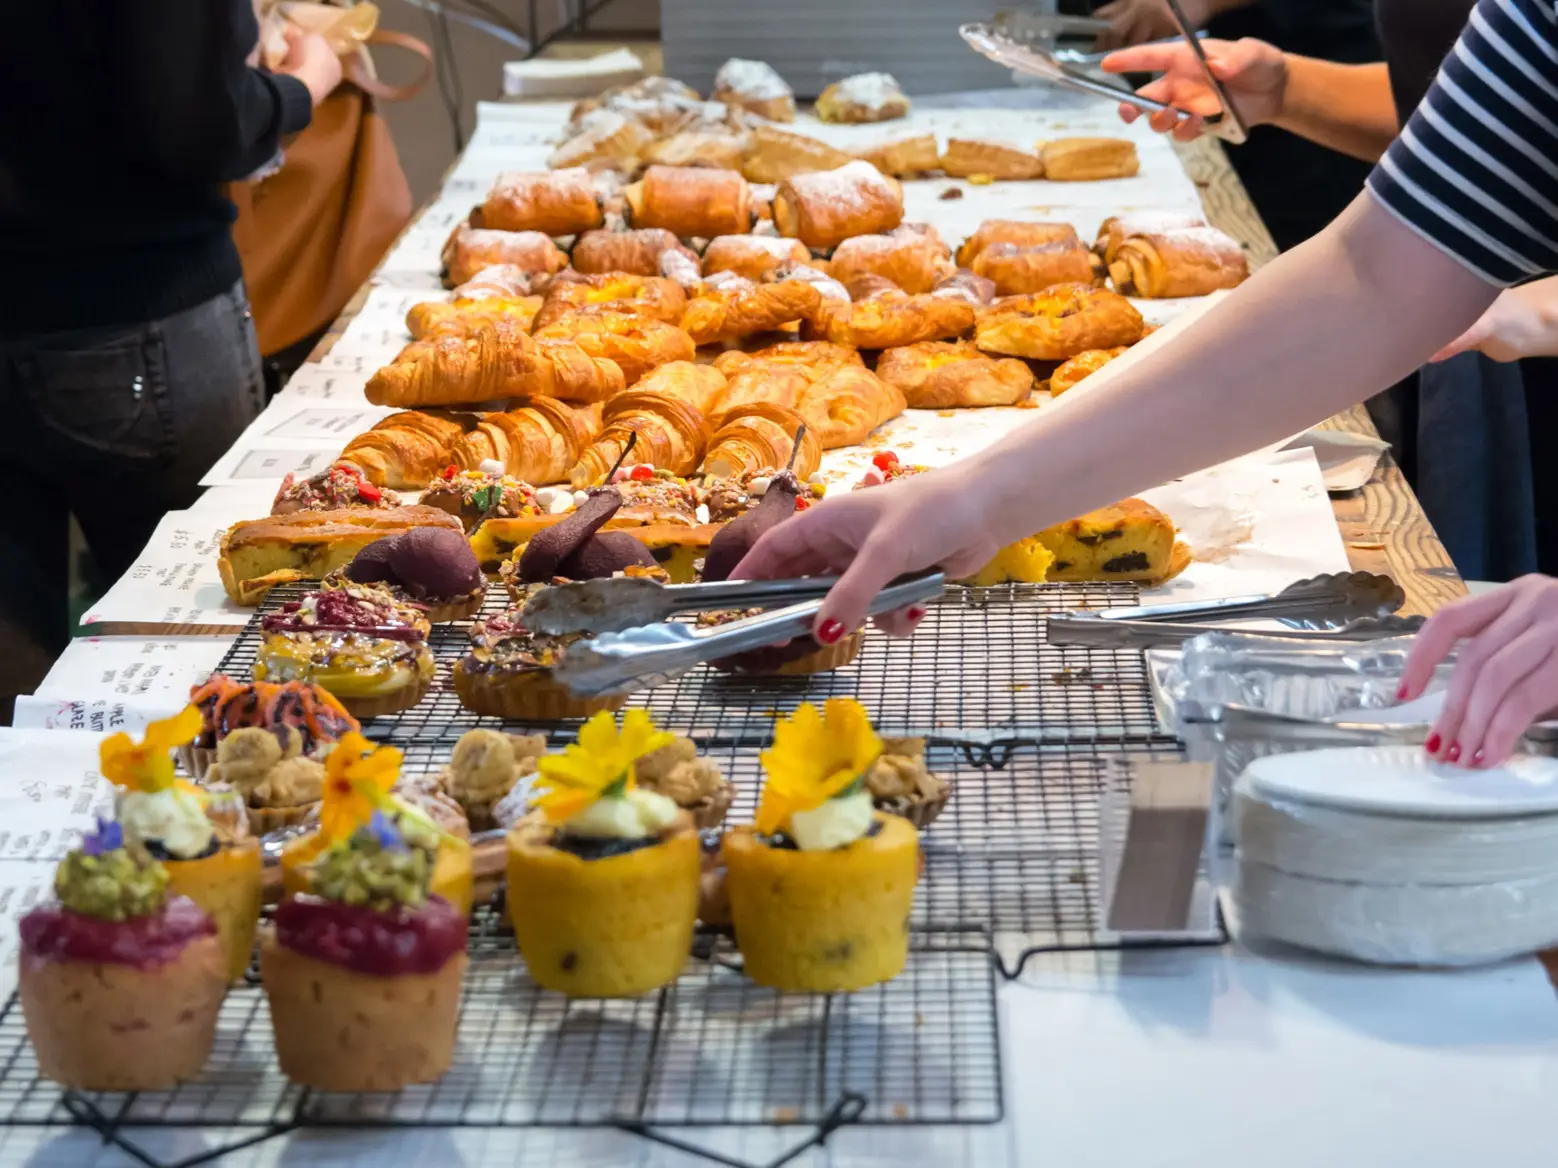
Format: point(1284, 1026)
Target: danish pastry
point(459, 318)
point(941, 375)
point(692, 202)
point(1058, 323)
point(756, 87)
point(971, 157)
point(965, 285)
point(845, 403)
point(649, 296)
point(1016, 270)
point(891, 320)
point(1013, 231)
point(635, 344)
point(1116, 229)
point(504, 282)
point(827, 287)
point(1192, 261)
point(865, 97)
point(1088, 159)
point(806, 354)
point(905, 157)
point(912, 261)
point(556, 202)
point(776, 154)
point(634, 253)
point(1087, 362)
point(752, 256)
point(825, 208)
point(698, 385)
point(471, 250)
point(730, 314)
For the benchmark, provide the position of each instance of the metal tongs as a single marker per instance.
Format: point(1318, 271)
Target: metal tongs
point(996, 42)
point(1240, 724)
point(1334, 606)
point(636, 649)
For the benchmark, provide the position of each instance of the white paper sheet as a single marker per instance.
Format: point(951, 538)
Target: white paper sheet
point(296, 432)
point(139, 671)
point(174, 581)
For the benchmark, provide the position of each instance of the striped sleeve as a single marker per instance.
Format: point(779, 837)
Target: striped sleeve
point(1475, 172)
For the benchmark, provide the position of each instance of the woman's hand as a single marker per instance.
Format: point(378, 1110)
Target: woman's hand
point(1133, 21)
point(872, 537)
point(1253, 73)
point(1506, 673)
point(313, 62)
point(1522, 322)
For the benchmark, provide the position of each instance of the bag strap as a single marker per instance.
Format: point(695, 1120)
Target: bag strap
point(359, 76)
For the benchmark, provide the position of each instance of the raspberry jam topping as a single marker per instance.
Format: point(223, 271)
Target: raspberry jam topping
point(383, 944)
point(54, 933)
point(346, 610)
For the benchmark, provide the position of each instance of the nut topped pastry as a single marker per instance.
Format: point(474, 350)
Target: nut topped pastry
point(508, 674)
point(339, 486)
point(486, 768)
point(369, 673)
point(350, 607)
point(696, 785)
point(477, 495)
point(865, 97)
point(900, 783)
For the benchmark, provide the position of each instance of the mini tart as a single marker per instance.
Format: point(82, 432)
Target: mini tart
point(678, 773)
point(794, 659)
point(369, 676)
point(227, 885)
point(452, 873)
point(823, 922)
point(901, 784)
point(227, 705)
point(613, 927)
point(474, 496)
point(508, 674)
point(343, 605)
point(335, 488)
point(436, 610)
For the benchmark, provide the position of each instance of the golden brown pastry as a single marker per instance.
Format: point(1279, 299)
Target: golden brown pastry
point(636, 343)
point(1013, 231)
point(1084, 363)
point(692, 202)
point(1116, 229)
point(503, 282)
point(890, 320)
point(472, 249)
point(405, 451)
point(760, 437)
point(606, 139)
point(653, 297)
point(536, 442)
point(1058, 323)
point(847, 402)
point(971, 157)
point(697, 385)
point(777, 375)
point(460, 317)
point(717, 149)
point(569, 372)
point(1016, 270)
point(808, 354)
point(728, 315)
point(756, 87)
point(825, 208)
point(1088, 159)
point(1131, 540)
point(553, 202)
point(752, 256)
point(913, 261)
point(776, 155)
point(966, 286)
point(942, 375)
point(827, 287)
point(659, 102)
point(865, 97)
point(905, 157)
point(633, 253)
point(672, 436)
point(1192, 261)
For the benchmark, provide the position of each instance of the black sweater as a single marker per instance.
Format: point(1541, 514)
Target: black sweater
point(122, 120)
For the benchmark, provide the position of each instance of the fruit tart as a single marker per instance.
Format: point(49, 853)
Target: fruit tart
point(119, 956)
point(486, 768)
point(603, 877)
point(800, 657)
point(478, 495)
point(296, 707)
point(279, 785)
point(336, 488)
point(509, 674)
point(731, 498)
point(430, 569)
point(168, 820)
point(696, 785)
point(900, 783)
point(364, 974)
point(821, 884)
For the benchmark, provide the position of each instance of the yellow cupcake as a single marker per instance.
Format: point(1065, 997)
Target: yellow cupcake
point(227, 885)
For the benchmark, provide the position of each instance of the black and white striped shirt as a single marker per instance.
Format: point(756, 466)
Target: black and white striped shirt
point(1475, 171)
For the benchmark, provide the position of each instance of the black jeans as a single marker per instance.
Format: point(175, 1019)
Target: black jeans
point(116, 427)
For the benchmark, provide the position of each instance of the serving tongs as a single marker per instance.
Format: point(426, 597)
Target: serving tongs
point(1241, 724)
point(1335, 606)
point(649, 654)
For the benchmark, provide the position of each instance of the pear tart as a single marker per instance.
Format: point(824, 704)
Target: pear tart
point(508, 674)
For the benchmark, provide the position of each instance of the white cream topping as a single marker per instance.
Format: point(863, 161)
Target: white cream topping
point(637, 814)
point(492, 466)
point(172, 817)
point(835, 824)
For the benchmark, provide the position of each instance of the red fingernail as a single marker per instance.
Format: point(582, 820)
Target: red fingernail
point(1432, 745)
point(1401, 692)
point(917, 612)
point(1454, 753)
point(829, 631)
point(1479, 759)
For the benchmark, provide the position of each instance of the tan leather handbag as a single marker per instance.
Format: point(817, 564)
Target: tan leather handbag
point(310, 233)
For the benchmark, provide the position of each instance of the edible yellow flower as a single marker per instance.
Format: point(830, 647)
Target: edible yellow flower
point(815, 756)
point(358, 778)
point(600, 764)
point(148, 766)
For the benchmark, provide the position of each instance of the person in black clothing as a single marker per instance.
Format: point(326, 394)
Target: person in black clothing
point(127, 356)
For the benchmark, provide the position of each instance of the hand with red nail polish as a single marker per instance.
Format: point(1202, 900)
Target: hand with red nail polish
point(1433, 744)
point(829, 631)
point(1454, 753)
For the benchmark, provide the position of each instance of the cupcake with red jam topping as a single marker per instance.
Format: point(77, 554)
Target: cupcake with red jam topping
point(364, 973)
point(339, 487)
point(120, 983)
point(431, 569)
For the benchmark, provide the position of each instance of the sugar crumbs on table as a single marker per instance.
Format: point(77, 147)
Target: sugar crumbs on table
point(1070, 676)
point(980, 180)
point(946, 413)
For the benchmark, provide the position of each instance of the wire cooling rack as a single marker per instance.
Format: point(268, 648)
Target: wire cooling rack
point(979, 666)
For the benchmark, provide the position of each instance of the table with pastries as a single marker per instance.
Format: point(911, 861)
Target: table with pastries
point(854, 903)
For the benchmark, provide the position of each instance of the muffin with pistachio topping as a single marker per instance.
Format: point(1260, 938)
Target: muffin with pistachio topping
point(115, 958)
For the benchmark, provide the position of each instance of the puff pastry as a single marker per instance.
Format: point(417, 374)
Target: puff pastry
point(905, 157)
point(1191, 261)
point(604, 139)
point(865, 97)
point(1088, 159)
point(761, 437)
point(720, 149)
point(827, 287)
point(671, 435)
point(698, 385)
point(777, 154)
point(778, 375)
point(471, 250)
point(1016, 270)
point(741, 311)
point(556, 202)
point(1116, 229)
point(692, 202)
point(1084, 363)
point(459, 318)
point(891, 320)
point(405, 451)
point(752, 256)
point(806, 354)
point(967, 286)
point(649, 296)
point(1013, 231)
point(913, 261)
point(504, 282)
point(536, 442)
point(756, 87)
point(636, 344)
point(845, 403)
point(944, 375)
point(825, 208)
point(1131, 540)
point(1058, 323)
point(970, 157)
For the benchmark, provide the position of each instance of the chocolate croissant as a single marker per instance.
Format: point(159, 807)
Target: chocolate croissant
point(1192, 261)
point(1015, 269)
point(691, 202)
point(752, 256)
point(1014, 231)
point(913, 261)
point(470, 250)
point(825, 208)
point(635, 253)
point(553, 202)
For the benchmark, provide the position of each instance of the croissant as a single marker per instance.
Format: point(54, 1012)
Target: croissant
point(760, 384)
point(697, 385)
point(742, 311)
point(690, 201)
point(905, 157)
point(846, 403)
point(968, 157)
point(752, 256)
point(1116, 229)
point(555, 202)
point(937, 376)
point(471, 249)
point(760, 437)
point(1014, 231)
point(504, 282)
point(891, 321)
point(569, 372)
point(672, 436)
point(459, 318)
point(1016, 270)
point(405, 451)
point(653, 297)
point(777, 154)
point(913, 261)
point(1192, 261)
point(1058, 323)
point(493, 362)
point(965, 285)
point(824, 209)
point(720, 149)
point(536, 442)
point(1088, 159)
point(636, 253)
point(635, 343)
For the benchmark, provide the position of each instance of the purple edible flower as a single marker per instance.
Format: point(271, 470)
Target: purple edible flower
point(384, 832)
point(109, 837)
